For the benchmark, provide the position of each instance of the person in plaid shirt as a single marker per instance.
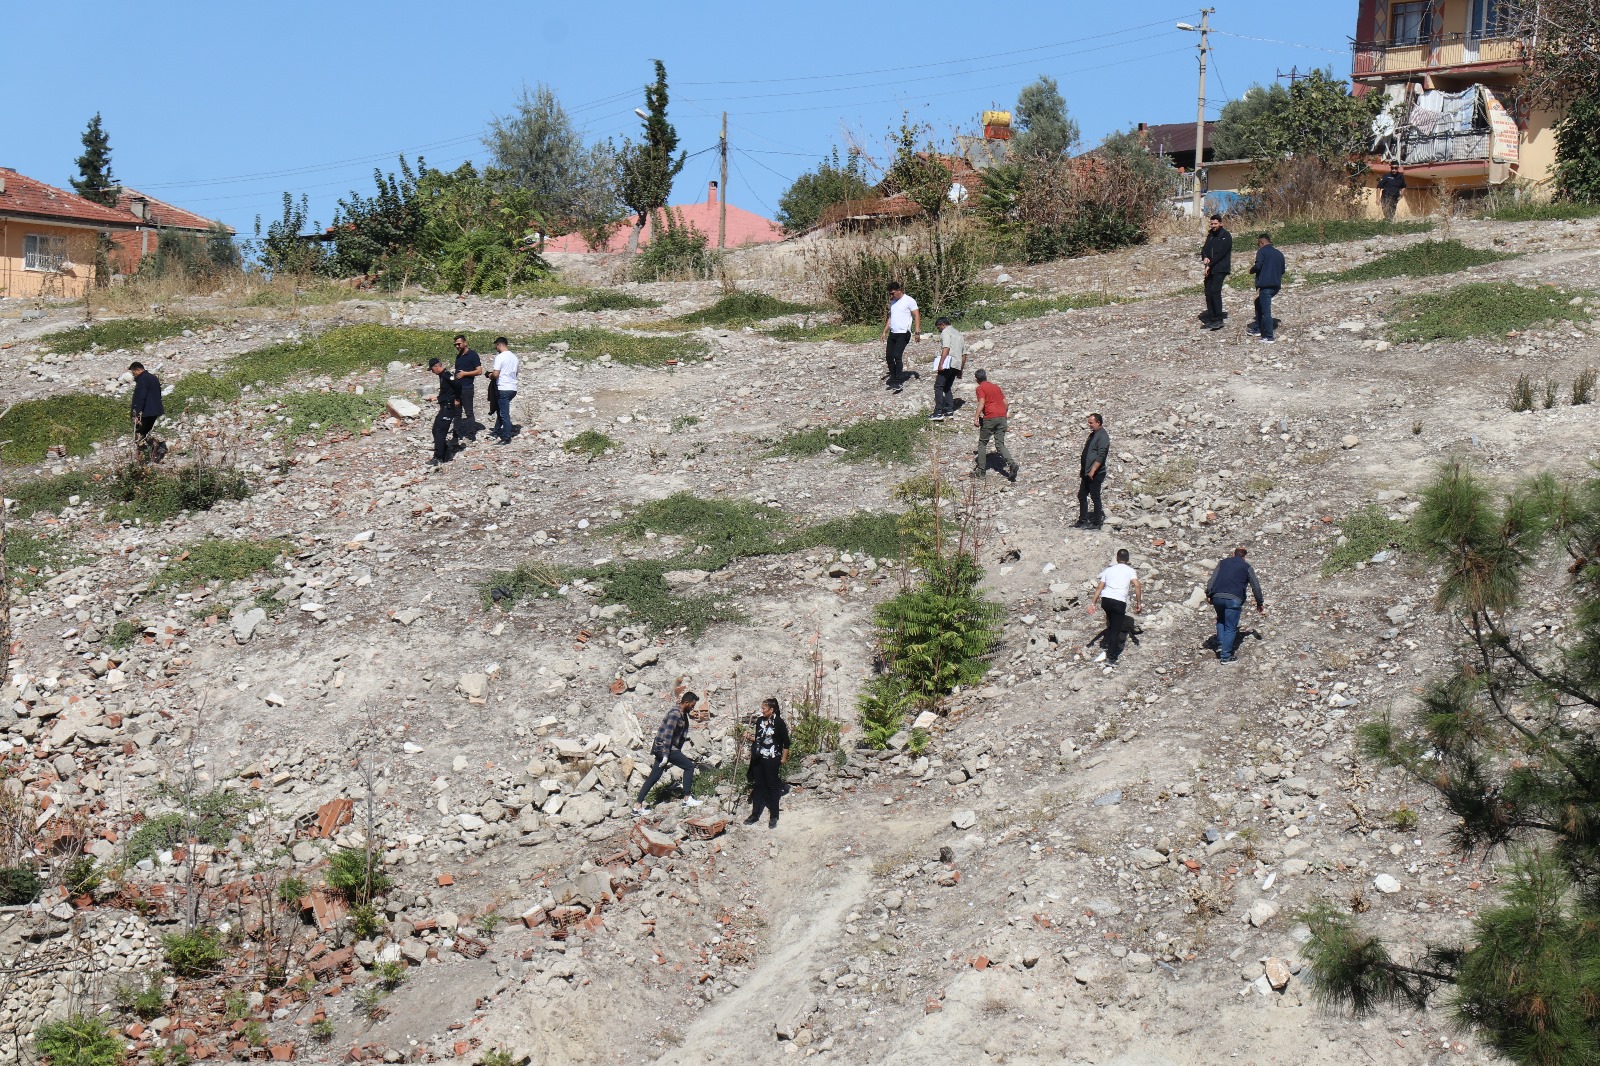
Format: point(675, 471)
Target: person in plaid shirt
point(668, 749)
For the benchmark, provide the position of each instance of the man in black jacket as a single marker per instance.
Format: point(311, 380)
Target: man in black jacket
point(146, 408)
point(1226, 591)
point(1092, 474)
point(1391, 187)
point(1268, 269)
point(1217, 255)
point(448, 414)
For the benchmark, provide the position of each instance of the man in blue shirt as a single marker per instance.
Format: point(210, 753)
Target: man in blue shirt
point(1226, 590)
point(468, 369)
point(1268, 269)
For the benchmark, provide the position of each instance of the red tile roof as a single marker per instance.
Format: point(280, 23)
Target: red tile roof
point(161, 214)
point(744, 227)
point(25, 196)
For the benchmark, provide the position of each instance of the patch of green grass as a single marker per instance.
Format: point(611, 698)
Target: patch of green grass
point(124, 632)
point(591, 342)
point(145, 1000)
point(1540, 211)
point(216, 814)
point(846, 332)
point(73, 419)
point(729, 528)
point(1366, 533)
point(79, 1040)
point(111, 334)
point(683, 422)
point(591, 442)
point(52, 493)
point(874, 533)
point(19, 885)
point(1420, 260)
point(990, 303)
point(549, 288)
point(889, 440)
point(155, 494)
point(220, 560)
point(305, 411)
point(639, 585)
point(1332, 231)
point(609, 300)
point(740, 309)
point(523, 581)
point(195, 954)
point(31, 557)
point(1482, 309)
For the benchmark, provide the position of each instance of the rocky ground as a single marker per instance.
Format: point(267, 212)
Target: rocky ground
point(1084, 866)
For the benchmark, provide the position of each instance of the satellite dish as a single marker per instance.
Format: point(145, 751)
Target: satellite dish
point(957, 193)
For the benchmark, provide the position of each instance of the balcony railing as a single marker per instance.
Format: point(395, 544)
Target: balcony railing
point(1434, 52)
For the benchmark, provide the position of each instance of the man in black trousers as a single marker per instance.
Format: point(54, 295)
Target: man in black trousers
point(1217, 255)
point(469, 367)
point(447, 415)
point(147, 407)
point(1092, 474)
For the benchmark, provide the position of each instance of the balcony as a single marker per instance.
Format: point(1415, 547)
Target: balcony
point(1438, 53)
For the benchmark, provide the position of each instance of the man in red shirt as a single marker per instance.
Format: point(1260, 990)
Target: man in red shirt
point(991, 422)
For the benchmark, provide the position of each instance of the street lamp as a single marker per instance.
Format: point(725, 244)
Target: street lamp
point(1204, 30)
point(641, 113)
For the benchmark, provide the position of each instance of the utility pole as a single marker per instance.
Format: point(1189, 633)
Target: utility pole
point(722, 189)
point(1200, 113)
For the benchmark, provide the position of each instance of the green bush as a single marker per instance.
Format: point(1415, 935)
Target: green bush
point(216, 815)
point(365, 921)
point(677, 251)
point(638, 585)
point(76, 420)
point(935, 635)
point(874, 533)
point(114, 333)
point(592, 443)
point(1338, 230)
point(80, 876)
point(390, 975)
point(814, 733)
point(153, 493)
point(78, 1040)
point(195, 954)
point(124, 632)
point(1423, 259)
point(740, 309)
point(146, 1001)
point(523, 581)
point(1481, 309)
point(19, 885)
point(306, 411)
point(358, 874)
point(219, 559)
point(1099, 228)
point(937, 269)
point(608, 300)
point(887, 440)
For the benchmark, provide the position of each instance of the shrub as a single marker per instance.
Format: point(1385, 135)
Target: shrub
point(78, 1040)
point(19, 885)
point(80, 877)
point(592, 443)
point(1305, 187)
point(608, 300)
point(124, 632)
point(323, 1031)
point(145, 1001)
point(1481, 308)
point(889, 440)
point(390, 975)
point(1075, 207)
point(291, 890)
point(365, 922)
point(814, 733)
point(521, 582)
point(934, 636)
point(216, 814)
point(305, 411)
point(677, 251)
point(937, 266)
point(114, 333)
point(1366, 533)
point(143, 490)
point(195, 954)
point(1423, 259)
point(1583, 387)
point(358, 874)
point(52, 493)
point(219, 559)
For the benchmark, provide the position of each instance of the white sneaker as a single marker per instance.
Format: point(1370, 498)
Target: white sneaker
point(692, 802)
point(640, 811)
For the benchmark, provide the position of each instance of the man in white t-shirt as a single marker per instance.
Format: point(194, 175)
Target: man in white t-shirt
point(902, 326)
point(504, 375)
point(1115, 583)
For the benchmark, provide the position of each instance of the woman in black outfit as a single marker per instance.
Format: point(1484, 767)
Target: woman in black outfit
point(768, 750)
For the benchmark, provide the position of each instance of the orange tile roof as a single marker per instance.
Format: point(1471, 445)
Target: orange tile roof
point(32, 198)
point(161, 214)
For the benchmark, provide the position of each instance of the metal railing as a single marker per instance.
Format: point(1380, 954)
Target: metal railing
point(1433, 51)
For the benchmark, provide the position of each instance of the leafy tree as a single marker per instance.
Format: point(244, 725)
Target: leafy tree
point(1578, 151)
point(479, 233)
point(646, 170)
point(1563, 42)
point(1507, 740)
point(280, 250)
point(596, 208)
point(918, 174)
point(803, 203)
point(1244, 129)
point(540, 149)
point(1047, 131)
point(1322, 119)
point(378, 234)
point(95, 181)
point(1132, 149)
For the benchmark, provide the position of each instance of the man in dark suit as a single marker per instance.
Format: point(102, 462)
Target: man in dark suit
point(146, 408)
point(1268, 269)
point(1217, 255)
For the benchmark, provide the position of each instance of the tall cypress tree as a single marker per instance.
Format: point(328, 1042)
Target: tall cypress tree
point(646, 170)
point(95, 181)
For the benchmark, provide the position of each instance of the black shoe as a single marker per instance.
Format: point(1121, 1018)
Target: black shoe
point(1082, 523)
point(1011, 472)
point(1215, 326)
point(753, 819)
point(772, 823)
point(1253, 329)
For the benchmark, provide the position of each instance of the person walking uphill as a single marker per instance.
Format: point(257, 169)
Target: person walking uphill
point(444, 420)
point(668, 749)
point(1391, 187)
point(1268, 269)
point(769, 750)
point(1226, 590)
point(1092, 475)
point(468, 368)
point(902, 326)
point(1217, 255)
point(991, 422)
point(947, 366)
point(1116, 581)
point(145, 409)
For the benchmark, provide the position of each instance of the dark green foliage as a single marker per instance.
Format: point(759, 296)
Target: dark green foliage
point(888, 440)
point(608, 300)
point(1500, 741)
point(114, 333)
point(1044, 128)
point(291, 890)
point(1481, 309)
point(646, 170)
point(78, 1040)
point(591, 442)
point(1321, 119)
point(217, 559)
point(74, 419)
point(479, 232)
point(677, 250)
point(741, 309)
point(358, 874)
point(813, 733)
point(730, 529)
point(80, 875)
point(540, 150)
point(19, 885)
point(1099, 228)
point(195, 954)
point(281, 251)
point(638, 585)
point(95, 181)
point(938, 269)
point(194, 258)
point(1420, 260)
point(216, 815)
point(997, 201)
point(1367, 532)
point(918, 172)
point(153, 493)
point(802, 205)
point(1096, 204)
point(1245, 129)
point(873, 533)
point(146, 1000)
point(379, 234)
point(365, 923)
point(1577, 170)
point(934, 636)
point(1337, 230)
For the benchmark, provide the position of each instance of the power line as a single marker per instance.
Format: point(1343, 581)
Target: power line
point(752, 189)
point(1286, 44)
point(764, 166)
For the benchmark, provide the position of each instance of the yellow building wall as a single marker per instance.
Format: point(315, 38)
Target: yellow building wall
point(1537, 156)
point(16, 280)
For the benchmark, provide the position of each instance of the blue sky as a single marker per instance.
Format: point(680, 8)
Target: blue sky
point(221, 108)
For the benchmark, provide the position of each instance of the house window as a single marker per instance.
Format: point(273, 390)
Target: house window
point(43, 252)
point(1494, 18)
point(1412, 23)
